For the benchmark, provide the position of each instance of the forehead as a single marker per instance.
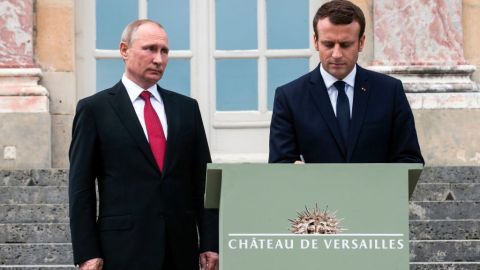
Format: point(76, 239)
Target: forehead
point(327, 30)
point(150, 32)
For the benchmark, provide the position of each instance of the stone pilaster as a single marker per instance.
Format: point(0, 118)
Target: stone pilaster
point(24, 104)
point(421, 43)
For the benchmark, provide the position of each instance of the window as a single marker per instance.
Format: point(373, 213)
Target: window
point(228, 54)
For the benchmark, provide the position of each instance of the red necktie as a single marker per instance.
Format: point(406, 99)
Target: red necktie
point(156, 136)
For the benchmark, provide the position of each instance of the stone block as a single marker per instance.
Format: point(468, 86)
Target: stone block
point(36, 254)
point(446, 136)
point(448, 210)
point(55, 34)
point(34, 213)
point(62, 91)
point(445, 230)
point(446, 191)
point(451, 174)
point(29, 134)
point(51, 177)
point(444, 251)
point(471, 39)
point(444, 266)
point(36, 267)
point(35, 233)
point(33, 195)
point(15, 177)
point(61, 137)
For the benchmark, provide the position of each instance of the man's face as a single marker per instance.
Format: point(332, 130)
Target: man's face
point(338, 46)
point(147, 56)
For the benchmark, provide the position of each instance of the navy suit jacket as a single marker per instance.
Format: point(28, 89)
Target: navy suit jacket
point(144, 213)
point(382, 127)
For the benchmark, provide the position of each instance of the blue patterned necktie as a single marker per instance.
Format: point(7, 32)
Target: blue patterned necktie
point(343, 110)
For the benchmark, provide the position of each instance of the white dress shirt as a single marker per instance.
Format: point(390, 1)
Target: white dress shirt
point(332, 91)
point(134, 92)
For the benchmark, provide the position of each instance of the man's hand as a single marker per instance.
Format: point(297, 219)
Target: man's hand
point(208, 260)
point(92, 264)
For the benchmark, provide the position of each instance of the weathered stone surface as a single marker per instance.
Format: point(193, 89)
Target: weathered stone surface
point(34, 213)
point(445, 251)
point(445, 230)
point(451, 174)
point(446, 266)
point(61, 137)
point(15, 177)
point(55, 34)
point(50, 177)
point(35, 233)
point(37, 254)
point(30, 134)
point(446, 191)
point(33, 195)
point(16, 26)
point(36, 267)
point(447, 210)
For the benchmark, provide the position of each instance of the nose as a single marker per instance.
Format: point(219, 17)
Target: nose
point(337, 51)
point(158, 57)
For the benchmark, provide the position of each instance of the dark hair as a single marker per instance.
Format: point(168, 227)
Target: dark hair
point(340, 12)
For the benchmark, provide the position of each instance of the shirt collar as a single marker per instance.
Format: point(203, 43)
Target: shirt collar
point(330, 80)
point(134, 90)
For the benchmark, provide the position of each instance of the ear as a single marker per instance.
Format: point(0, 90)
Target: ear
point(315, 42)
point(361, 43)
point(124, 50)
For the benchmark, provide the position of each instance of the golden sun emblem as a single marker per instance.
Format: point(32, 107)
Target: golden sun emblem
point(315, 221)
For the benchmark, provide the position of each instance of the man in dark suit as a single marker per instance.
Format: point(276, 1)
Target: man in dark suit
point(147, 149)
point(340, 112)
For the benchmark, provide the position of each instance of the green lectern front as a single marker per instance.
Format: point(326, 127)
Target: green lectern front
point(312, 216)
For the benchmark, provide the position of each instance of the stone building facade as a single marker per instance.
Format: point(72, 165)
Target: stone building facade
point(431, 45)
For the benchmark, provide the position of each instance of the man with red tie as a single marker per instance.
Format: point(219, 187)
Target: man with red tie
point(147, 149)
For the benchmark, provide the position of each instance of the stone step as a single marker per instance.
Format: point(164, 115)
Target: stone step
point(33, 195)
point(445, 230)
point(446, 210)
point(445, 251)
point(38, 267)
point(452, 174)
point(35, 233)
point(446, 191)
point(50, 177)
point(419, 230)
point(36, 254)
point(33, 213)
point(445, 266)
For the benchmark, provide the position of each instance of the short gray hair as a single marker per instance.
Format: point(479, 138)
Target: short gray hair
point(128, 34)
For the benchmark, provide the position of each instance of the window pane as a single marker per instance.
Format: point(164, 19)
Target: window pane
point(177, 76)
point(174, 15)
point(237, 85)
point(236, 22)
point(288, 24)
point(282, 71)
point(109, 72)
point(112, 16)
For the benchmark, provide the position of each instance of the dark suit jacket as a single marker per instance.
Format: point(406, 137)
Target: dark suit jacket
point(382, 127)
point(142, 211)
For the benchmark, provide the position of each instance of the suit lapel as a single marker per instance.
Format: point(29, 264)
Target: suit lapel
point(360, 100)
point(319, 94)
point(122, 105)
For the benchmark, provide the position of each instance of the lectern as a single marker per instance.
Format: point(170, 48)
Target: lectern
point(272, 215)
